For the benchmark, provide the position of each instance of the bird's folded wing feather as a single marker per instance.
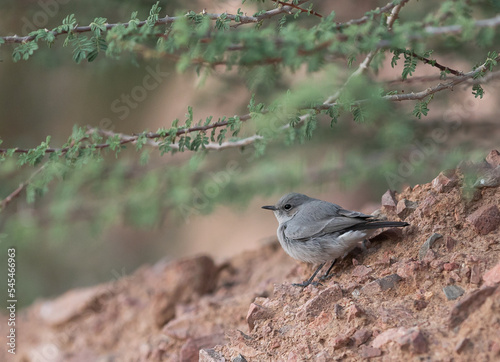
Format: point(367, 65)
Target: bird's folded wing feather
point(327, 218)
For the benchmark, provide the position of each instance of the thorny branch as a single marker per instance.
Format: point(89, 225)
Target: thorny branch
point(152, 137)
point(395, 8)
point(331, 101)
point(369, 57)
point(284, 8)
point(284, 3)
point(431, 78)
point(434, 63)
point(243, 19)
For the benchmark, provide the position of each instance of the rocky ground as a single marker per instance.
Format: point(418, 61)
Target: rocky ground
point(428, 292)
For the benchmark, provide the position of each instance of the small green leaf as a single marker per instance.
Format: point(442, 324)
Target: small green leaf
point(222, 22)
point(421, 107)
point(477, 91)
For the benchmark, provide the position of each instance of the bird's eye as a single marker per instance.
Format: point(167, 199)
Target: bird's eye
point(287, 207)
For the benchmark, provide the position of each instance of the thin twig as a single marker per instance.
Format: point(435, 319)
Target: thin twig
point(434, 63)
point(284, 3)
point(453, 29)
point(431, 78)
point(366, 18)
point(17, 192)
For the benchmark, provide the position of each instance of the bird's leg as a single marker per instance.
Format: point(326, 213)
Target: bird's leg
point(310, 280)
point(327, 274)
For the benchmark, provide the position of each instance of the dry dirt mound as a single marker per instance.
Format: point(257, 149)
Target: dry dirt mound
point(430, 291)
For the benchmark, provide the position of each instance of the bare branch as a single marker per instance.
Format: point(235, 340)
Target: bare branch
point(14, 194)
point(453, 29)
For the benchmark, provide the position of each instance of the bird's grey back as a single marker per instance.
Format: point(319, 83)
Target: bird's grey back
point(316, 217)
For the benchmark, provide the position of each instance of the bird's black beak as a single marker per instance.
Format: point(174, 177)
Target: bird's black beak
point(269, 207)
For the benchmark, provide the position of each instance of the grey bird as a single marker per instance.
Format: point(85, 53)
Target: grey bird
point(315, 231)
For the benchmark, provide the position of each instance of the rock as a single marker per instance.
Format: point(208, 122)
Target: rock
point(492, 276)
point(257, 312)
point(469, 304)
point(361, 336)
point(369, 352)
point(462, 345)
point(337, 310)
point(493, 158)
point(180, 282)
point(485, 219)
point(325, 300)
point(476, 273)
point(361, 271)
point(495, 348)
point(389, 200)
point(408, 269)
point(414, 340)
point(353, 311)
point(445, 181)
point(489, 178)
point(389, 281)
point(190, 349)
point(450, 243)
point(323, 356)
point(239, 358)
point(450, 266)
point(70, 305)
point(411, 338)
point(381, 284)
point(210, 355)
point(162, 308)
point(427, 206)
point(452, 292)
point(189, 278)
point(342, 340)
point(454, 277)
point(387, 336)
point(405, 208)
point(371, 288)
point(420, 304)
point(428, 244)
point(189, 325)
point(179, 328)
point(430, 259)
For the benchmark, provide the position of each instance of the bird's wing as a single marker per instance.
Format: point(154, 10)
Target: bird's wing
point(324, 218)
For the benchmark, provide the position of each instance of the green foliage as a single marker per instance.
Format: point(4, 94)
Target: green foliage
point(24, 51)
point(272, 54)
point(410, 65)
point(421, 108)
point(222, 22)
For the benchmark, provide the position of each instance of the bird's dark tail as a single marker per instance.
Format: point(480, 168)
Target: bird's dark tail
point(378, 225)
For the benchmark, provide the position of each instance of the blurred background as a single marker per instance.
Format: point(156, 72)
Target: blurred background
point(103, 220)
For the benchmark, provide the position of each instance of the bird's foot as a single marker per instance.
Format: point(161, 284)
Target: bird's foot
point(325, 277)
point(306, 283)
